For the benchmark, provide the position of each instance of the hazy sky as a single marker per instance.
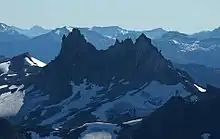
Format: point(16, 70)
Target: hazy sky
point(182, 15)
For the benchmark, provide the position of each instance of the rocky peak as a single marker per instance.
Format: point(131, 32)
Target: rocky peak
point(23, 63)
point(139, 61)
point(143, 38)
point(75, 46)
point(117, 42)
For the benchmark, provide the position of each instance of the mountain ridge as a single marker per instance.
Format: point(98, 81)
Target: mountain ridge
point(83, 89)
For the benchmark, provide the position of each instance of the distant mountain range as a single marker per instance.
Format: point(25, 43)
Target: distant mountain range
point(200, 48)
point(32, 32)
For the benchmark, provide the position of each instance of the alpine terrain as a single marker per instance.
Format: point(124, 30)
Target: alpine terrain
point(83, 93)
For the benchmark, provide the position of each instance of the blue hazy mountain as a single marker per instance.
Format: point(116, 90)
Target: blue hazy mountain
point(207, 34)
point(33, 31)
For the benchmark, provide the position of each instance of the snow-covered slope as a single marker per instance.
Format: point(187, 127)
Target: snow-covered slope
point(35, 62)
point(14, 72)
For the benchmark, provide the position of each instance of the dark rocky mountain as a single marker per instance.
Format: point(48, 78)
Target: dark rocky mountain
point(9, 131)
point(82, 85)
point(181, 119)
point(6, 130)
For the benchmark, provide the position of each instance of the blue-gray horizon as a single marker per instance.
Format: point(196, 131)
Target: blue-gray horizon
point(184, 16)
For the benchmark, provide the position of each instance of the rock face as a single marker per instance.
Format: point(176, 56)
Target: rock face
point(6, 130)
point(137, 62)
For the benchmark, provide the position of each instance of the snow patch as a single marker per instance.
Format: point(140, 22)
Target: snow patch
point(13, 87)
point(124, 32)
point(38, 62)
point(11, 103)
point(200, 88)
point(57, 32)
point(133, 122)
point(69, 28)
point(100, 130)
point(175, 42)
point(110, 37)
point(34, 62)
point(3, 86)
point(4, 67)
point(12, 75)
point(98, 135)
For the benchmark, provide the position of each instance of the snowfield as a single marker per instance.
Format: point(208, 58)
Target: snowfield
point(4, 67)
point(143, 101)
point(11, 103)
point(100, 130)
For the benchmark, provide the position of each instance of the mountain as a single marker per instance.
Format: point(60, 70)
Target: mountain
point(114, 32)
point(9, 35)
point(50, 42)
point(84, 85)
point(44, 47)
point(85, 92)
point(111, 31)
point(181, 119)
point(32, 32)
point(155, 33)
point(207, 34)
point(201, 74)
point(184, 49)
point(175, 46)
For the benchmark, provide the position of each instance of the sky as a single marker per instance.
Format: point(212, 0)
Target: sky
point(186, 16)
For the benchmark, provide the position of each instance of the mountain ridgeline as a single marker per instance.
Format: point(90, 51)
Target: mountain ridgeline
point(135, 62)
point(83, 85)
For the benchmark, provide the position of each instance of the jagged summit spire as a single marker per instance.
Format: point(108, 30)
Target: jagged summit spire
point(143, 37)
point(117, 42)
point(75, 36)
point(75, 44)
point(128, 41)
